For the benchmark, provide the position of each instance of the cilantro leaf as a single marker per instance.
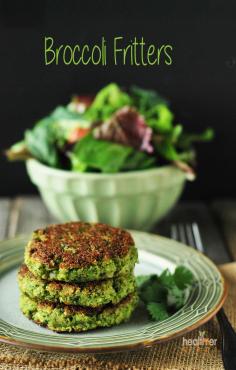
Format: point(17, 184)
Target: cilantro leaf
point(175, 284)
point(141, 279)
point(153, 291)
point(166, 278)
point(183, 277)
point(176, 297)
point(166, 293)
point(157, 311)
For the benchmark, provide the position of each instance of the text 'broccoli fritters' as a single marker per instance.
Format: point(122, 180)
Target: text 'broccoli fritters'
point(80, 252)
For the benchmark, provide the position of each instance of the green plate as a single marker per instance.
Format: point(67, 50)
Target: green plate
point(155, 254)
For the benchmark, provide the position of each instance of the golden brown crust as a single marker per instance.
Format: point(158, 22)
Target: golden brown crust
point(73, 309)
point(79, 244)
point(23, 270)
point(58, 285)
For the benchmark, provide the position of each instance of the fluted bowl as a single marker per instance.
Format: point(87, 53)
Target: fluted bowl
point(135, 199)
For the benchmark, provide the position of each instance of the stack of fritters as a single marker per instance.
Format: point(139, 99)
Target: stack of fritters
point(78, 276)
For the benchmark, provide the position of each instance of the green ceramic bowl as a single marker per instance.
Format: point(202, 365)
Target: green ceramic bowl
point(136, 199)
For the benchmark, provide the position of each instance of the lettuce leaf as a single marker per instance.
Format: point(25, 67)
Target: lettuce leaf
point(50, 134)
point(107, 101)
point(101, 155)
point(40, 141)
point(130, 131)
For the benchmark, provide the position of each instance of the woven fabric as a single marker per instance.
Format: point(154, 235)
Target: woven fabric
point(178, 354)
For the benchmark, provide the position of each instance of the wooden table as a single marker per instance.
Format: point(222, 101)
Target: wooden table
point(217, 222)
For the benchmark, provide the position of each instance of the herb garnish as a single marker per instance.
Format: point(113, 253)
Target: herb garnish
point(166, 293)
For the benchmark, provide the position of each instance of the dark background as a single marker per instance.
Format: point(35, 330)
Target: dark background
point(200, 83)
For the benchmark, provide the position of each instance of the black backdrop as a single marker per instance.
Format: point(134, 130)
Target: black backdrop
point(200, 83)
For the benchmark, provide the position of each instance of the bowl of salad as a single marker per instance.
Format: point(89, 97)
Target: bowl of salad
point(117, 157)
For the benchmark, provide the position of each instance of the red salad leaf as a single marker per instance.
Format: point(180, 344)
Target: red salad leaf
point(126, 127)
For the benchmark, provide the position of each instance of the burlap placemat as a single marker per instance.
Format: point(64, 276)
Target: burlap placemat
point(180, 354)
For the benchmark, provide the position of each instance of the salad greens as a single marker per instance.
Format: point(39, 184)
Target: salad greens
point(116, 131)
point(163, 295)
point(41, 142)
point(107, 157)
point(107, 101)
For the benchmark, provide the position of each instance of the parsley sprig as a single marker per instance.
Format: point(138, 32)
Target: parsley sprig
point(166, 293)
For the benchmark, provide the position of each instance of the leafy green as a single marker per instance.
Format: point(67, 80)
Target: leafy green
point(40, 141)
point(136, 130)
point(157, 311)
point(183, 277)
point(186, 140)
point(107, 101)
point(144, 99)
point(154, 108)
point(165, 293)
point(138, 161)
point(173, 144)
point(64, 121)
point(63, 113)
point(175, 133)
point(175, 294)
point(90, 153)
point(167, 150)
point(176, 297)
point(141, 279)
point(99, 154)
point(18, 152)
point(50, 134)
point(178, 146)
point(160, 118)
point(152, 290)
